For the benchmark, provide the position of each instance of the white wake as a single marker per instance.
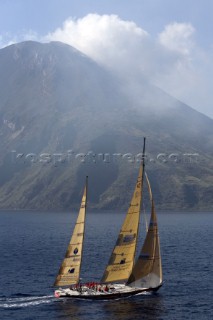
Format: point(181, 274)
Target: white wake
point(22, 302)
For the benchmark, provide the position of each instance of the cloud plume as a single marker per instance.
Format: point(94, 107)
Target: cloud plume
point(106, 39)
point(173, 61)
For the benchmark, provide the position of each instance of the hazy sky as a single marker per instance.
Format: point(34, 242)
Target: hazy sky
point(168, 41)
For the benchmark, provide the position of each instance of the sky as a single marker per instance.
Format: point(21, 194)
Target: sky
point(167, 41)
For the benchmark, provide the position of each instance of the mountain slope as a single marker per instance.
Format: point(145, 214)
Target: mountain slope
point(62, 117)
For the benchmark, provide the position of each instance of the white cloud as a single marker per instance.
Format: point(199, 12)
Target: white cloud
point(178, 37)
point(188, 77)
point(107, 39)
point(173, 61)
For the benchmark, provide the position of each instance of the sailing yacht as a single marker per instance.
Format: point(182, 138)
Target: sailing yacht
point(123, 277)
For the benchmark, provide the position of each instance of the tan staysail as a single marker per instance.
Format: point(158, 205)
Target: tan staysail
point(147, 272)
point(69, 272)
point(122, 258)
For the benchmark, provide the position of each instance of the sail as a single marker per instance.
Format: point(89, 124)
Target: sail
point(147, 272)
point(69, 271)
point(122, 258)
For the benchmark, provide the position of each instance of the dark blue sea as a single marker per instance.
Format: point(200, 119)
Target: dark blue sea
point(32, 245)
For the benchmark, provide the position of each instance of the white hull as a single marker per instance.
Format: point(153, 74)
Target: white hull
point(116, 292)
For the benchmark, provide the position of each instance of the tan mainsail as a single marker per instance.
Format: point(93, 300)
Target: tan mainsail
point(69, 271)
point(122, 258)
point(147, 272)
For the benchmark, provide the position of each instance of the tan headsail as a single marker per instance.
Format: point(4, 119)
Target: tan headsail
point(69, 272)
point(147, 272)
point(122, 258)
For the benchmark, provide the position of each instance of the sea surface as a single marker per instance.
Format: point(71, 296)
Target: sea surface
point(32, 246)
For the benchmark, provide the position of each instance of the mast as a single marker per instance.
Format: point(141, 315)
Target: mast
point(143, 159)
point(69, 272)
